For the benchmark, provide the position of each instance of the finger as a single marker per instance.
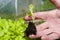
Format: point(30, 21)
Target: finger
point(56, 3)
point(45, 34)
point(45, 37)
point(52, 36)
point(38, 15)
point(42, 26)
point(47, 31)
point(38, 35)
point(27, 18)
point(34, 36)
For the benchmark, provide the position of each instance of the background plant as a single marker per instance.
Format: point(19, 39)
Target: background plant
point(12, 29)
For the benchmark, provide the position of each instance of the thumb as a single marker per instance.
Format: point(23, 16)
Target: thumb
point(37, 15)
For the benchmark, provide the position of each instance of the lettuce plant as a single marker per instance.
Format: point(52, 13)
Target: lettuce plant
point(12, 29)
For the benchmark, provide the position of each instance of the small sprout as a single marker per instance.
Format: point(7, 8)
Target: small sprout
point(31, 29)
point(31, 8)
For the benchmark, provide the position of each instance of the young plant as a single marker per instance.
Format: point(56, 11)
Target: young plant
point(31, 8)
point(31, 25)
point(12, 29)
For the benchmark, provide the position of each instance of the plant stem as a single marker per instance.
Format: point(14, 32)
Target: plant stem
point(31, 7)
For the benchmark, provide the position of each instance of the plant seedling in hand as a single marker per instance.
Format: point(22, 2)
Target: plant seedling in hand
point(31, 29)
point(31, 25)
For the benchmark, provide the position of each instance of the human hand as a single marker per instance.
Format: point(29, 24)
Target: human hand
point(49, 30)
point(56, 3)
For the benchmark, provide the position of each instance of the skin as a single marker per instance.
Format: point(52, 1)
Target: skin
point(56, 3)
point(49, 30)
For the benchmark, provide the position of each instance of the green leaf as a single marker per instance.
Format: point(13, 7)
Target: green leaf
point(12, 29)
point(31, 7)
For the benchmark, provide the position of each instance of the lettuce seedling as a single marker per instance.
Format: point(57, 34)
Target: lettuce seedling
point(31, 25)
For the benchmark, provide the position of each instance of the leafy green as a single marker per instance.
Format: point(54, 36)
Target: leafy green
point(12, 29)
point(31, 7)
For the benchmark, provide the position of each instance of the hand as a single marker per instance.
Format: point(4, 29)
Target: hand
point(56, 3)
point(49, 30)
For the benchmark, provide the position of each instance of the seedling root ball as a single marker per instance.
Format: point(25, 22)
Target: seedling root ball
point(31, 29)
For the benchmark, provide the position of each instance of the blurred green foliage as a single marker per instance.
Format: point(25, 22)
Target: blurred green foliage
point(45, 5)
point(40, 5)
point(12, 29)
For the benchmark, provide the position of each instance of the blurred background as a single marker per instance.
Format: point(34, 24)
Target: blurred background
point(15, 9)
point(18, 8)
